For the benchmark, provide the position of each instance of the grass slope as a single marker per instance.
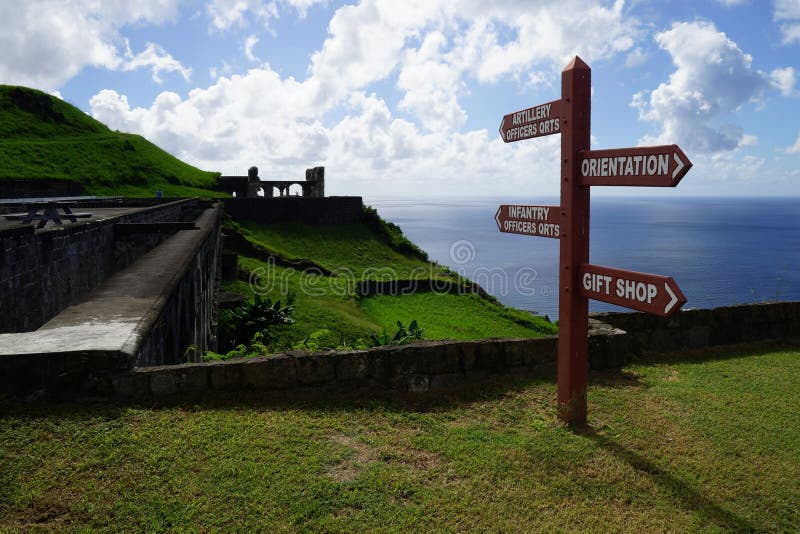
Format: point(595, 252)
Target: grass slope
point(674, 447)
point(454, 316)
point(355, 252)
point(352, 250)
point(44, 137)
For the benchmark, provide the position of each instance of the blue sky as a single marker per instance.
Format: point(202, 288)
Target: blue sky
point(403, 98)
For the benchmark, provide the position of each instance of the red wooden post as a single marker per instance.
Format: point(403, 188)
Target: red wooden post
point(573, 309)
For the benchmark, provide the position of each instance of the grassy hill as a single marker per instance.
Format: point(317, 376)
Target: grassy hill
point(43, 137)
point(330, 312)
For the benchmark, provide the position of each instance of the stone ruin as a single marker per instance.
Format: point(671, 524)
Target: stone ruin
point(249, 186)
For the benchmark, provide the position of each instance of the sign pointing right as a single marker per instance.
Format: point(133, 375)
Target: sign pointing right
point(654, 166)
point(651, 293)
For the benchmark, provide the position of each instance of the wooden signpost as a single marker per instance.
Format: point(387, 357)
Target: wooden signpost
point(581, 168)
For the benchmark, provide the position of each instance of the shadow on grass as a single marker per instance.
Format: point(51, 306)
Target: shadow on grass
point(720, 352)
point(678, 489)
point(312, 399)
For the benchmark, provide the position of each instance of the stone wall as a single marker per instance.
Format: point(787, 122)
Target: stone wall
point(315, 211)
point(690, 329)
point(43, 272)
point(415, 368)
point(39, 188)
point(186, 326)
point(147, 314)
point(431, 366)
point(426, 366)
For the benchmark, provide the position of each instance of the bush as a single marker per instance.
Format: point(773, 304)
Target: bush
point(241, 325)
point(404, 335)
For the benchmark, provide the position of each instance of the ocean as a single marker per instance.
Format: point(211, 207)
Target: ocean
point(719, 251)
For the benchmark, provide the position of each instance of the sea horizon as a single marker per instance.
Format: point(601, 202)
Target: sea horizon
point(719, 250)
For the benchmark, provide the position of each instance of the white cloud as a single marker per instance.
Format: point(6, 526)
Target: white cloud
point(431, 86)
point(249, 43)
point(784, 80)
point(713, 78)
point(430, 50)
point(791, 33)
point(488, 42)
point(788, 11)
point(225, 128)
point(302, 6)
point(733, 3)
point(47, 42)
point(157, 59)
point(227, 14)
point(795, 148)
point(636, 58)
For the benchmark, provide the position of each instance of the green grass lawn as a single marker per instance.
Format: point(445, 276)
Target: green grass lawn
point(704, 445)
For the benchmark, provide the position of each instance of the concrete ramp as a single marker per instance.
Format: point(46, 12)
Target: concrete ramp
point(147, 314)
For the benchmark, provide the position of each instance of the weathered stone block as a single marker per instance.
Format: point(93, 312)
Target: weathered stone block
point(419, 383)
point(131, 385)
point(225, 376)
point(192, 378)
point(541, 350)
point(163, 383)
point(490, 356)
point(446, 381)
point(436, 358)
point(467, 353)
point(379, 366)
point(515, 353)
point(350, 365)
point(410, 359)
point(314, 369)
point(269, 372)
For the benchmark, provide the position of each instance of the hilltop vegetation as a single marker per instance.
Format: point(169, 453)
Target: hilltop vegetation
point(43, 137)
point(329, 313)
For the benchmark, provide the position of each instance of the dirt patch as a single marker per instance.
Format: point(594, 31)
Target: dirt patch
point(37, 515)
point(348, 468)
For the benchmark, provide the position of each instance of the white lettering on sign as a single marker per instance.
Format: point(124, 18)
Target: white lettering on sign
point(532, 228)
point(534, 213)
point(626, 289)
point(633, 290)
point(532, 122)
point(531, 114)
point(531, 220)
point(599, 283)
point(654, 165)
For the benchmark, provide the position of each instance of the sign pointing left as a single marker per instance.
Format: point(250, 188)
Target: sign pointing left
point(537, 121)
point(542, 221)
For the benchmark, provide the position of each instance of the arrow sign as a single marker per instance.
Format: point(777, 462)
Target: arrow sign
point(543, 221)
point(532, 122)
point(651, 293)
point(654, 166)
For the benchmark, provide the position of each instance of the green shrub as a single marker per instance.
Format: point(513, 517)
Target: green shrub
point(404, 335)
point(241, 325)
point(392, 234)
